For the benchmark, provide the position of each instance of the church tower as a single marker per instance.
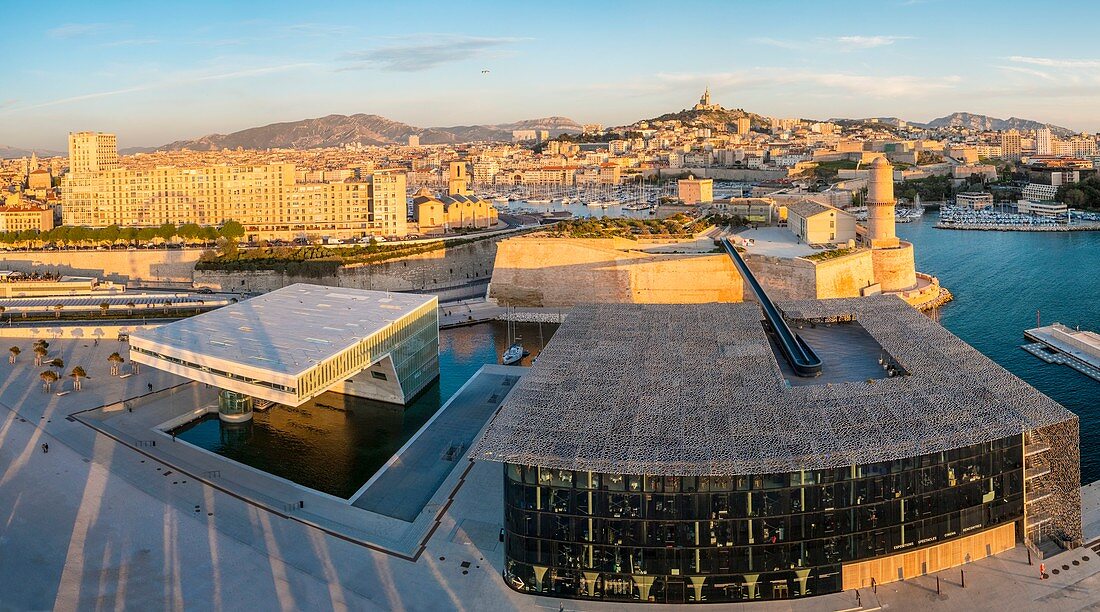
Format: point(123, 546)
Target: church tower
point(458, 179)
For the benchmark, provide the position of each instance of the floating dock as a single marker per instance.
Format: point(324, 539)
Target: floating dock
point(1078, 349)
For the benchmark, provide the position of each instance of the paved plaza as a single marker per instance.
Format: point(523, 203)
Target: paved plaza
point(773, 242)
point(96, 524)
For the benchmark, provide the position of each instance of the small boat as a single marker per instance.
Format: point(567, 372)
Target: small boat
point(538, 201)
point(500, 200)
point(513, 355)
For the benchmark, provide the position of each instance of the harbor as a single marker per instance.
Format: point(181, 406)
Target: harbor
point(1056, 343)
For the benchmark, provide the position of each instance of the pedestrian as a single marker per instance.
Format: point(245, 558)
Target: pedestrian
point(1042, 571)
point(95, 342)
point(150, 387)
point(45, 447)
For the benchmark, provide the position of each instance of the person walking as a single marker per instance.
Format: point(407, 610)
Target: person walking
point(1042, 571)
point(45, 447)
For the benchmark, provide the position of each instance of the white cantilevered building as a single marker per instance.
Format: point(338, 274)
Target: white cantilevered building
point(298, 342)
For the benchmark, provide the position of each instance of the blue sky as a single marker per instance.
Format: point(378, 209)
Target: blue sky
point(157, 72)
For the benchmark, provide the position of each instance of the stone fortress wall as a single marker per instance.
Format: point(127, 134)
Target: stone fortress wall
point(560, 272)
point(452, 266)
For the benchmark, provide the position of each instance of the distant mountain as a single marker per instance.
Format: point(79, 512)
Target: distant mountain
point(339, 130)
point(987, 123)
point(7, 152)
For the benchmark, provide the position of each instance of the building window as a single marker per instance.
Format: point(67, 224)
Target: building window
point(378, 375)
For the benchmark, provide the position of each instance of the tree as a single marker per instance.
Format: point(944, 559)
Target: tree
point(78, 373)
point(40, 353)
point(104, 307)
point(57, 310)
point(57, 362)
point(130, 308)
point(166, 232)
point(14, 352)
point(231, 230)
point(116, 361)
point(48, 377)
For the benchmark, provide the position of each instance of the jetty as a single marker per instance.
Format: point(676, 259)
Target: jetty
point(1056, 343)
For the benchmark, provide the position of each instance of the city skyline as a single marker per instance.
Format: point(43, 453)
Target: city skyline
point(176, 72)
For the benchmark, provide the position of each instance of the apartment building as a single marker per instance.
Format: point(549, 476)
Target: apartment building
point(265, 199)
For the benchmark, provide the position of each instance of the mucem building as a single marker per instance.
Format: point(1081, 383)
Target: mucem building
point(669, 453)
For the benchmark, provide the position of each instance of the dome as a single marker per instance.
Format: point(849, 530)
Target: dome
point(880, 162)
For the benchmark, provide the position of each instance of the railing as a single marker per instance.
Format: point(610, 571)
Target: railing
point(797, 352)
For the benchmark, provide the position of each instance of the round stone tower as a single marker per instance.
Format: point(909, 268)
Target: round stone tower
point(880, 205)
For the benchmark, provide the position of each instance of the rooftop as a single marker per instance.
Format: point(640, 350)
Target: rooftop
point(286, 331)
point(696, 389)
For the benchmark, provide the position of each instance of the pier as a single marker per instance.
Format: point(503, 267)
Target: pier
point(1063, 345)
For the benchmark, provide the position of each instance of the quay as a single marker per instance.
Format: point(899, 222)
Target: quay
point(1063, 345)
point(1004, 227)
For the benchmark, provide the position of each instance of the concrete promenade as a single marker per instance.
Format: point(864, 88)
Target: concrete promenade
point(95, 524)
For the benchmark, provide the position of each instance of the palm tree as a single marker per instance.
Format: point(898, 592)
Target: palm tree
point(130, 308)
point(116, 361)
point(77, 374)
point(57, 362)
point(103, 307)
point(39, 353)
point(167, 304)
point(57, 310)
point(14, 353)
point(48, 377)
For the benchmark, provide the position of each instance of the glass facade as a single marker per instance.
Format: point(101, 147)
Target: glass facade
point(732, 538)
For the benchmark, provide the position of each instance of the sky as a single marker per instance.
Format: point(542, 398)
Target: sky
point(158, 72)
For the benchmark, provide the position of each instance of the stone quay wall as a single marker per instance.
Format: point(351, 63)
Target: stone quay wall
point(148, 266)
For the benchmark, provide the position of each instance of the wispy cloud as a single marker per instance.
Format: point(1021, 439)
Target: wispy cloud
point(851, 43)
point(1039, 74)
point(419, 56)
point(776, 42)
point(76, 30)
point(166, 83)
point(1050, 62)
point(836, 43)
point(131, 42)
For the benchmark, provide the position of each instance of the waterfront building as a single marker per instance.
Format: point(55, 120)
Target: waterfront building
point(22, 217)
point(975, 200)
point(295, 343)
point(725, 477)
point(1041, 208)
point(460, 208)
point(816, 223)
point(695, 191)
point(264, 198)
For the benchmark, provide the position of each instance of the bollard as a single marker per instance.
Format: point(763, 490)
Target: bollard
point(938, 585)
point(962, 578)
point(1029, 556)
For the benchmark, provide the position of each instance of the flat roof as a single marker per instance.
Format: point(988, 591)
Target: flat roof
point(286, 331)
point(693, 389)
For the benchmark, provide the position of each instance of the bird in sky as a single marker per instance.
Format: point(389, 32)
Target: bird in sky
point(485, 71)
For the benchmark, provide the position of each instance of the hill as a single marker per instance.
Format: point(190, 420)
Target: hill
point(7, 152)
point(987, 123)
point(714, 118)
point(339, 130)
